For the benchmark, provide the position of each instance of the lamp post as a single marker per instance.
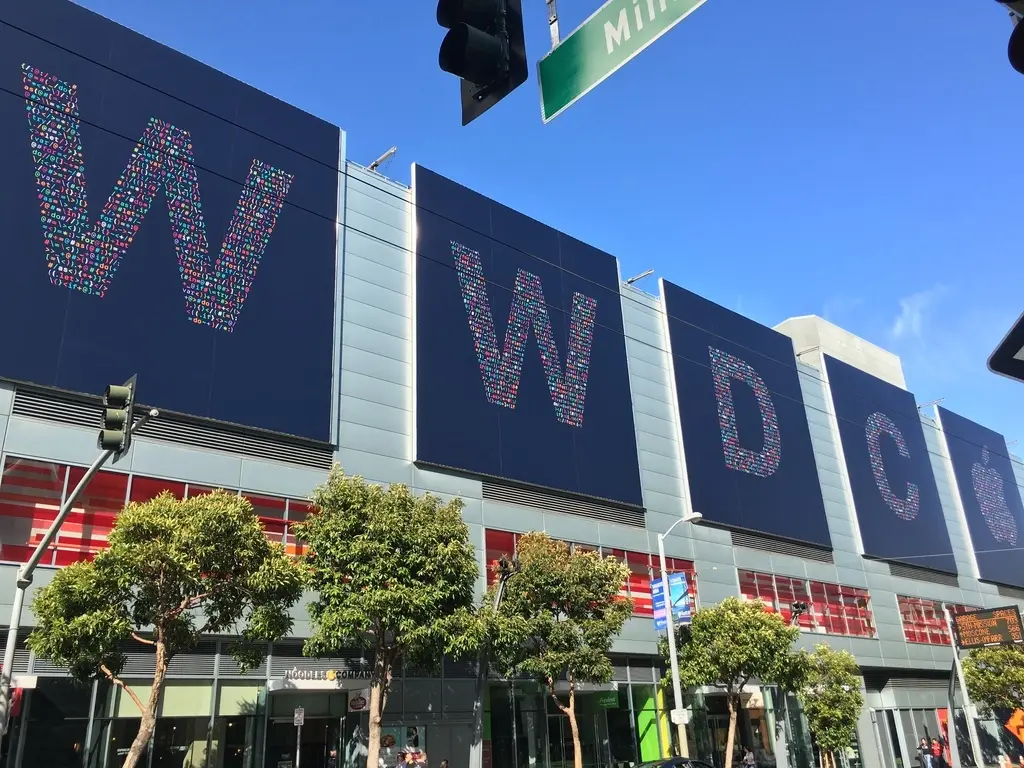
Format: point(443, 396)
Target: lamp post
point(677, 689)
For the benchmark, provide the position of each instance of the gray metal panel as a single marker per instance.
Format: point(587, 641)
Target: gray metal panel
point(212, 468)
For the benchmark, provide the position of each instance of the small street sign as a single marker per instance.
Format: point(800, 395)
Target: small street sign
point(1015, 724)
point(680, 596)
point(614, 34)
point(300, 717)
point(1008, 358)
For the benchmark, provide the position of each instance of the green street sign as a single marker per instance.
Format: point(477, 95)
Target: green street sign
point(613, 35)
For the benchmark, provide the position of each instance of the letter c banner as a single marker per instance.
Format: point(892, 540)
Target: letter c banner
point(876, 425)
point(763, 463)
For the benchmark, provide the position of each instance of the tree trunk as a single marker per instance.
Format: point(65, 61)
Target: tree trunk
point(730, 742)
point(570, 711)
point(148, 722)
point(379, 688)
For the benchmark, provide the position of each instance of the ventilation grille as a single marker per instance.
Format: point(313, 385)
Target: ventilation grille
point(923, 574)
point(879, 680)
point(80, 412)
point(229, 667)
point(459, 669)
point(780, 546)
point(200, 662)
point(549, 502)
point(1013, 592)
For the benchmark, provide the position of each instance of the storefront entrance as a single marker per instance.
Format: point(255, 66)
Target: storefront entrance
point(320, 735)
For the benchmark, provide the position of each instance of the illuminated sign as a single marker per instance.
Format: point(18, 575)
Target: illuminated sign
point(995, 626)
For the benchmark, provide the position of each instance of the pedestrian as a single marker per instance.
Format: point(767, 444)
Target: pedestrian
point(924, 753)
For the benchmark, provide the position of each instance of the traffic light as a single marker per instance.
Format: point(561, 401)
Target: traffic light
point(1015, 48)
point(118, 405)
point(485, 47)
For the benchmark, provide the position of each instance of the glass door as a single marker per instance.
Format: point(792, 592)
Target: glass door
point(320, 735)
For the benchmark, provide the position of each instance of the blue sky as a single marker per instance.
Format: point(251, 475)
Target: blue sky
point(852, 161)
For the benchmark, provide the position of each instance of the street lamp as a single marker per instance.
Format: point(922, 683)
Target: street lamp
point(677, 689)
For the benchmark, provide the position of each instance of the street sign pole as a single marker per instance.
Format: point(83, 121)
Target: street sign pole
point(958, 670)
point(299, 718)
point(553, 21)
point(600, 46)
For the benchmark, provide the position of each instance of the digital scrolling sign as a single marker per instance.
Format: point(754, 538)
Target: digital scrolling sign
point(989, 495)
point(749, 458)
point(161, 218)
point(891, 478)
point(521, 366)
point(995, 626)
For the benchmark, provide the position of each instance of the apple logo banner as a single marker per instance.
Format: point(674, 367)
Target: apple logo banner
point(988, 489)
point(990, 497)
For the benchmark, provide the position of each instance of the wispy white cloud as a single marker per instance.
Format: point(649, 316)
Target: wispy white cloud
point(915, 309)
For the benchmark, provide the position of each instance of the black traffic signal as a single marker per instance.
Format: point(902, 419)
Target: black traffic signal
point(1015, 48)
point(485, 47)
point(118, 406)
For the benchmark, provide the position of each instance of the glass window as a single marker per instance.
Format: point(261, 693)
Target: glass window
point(92, 518)
point(270, 511)
point(30, 495)
point(923, 620)
point(196, 490)
point(179, 741)
point(640, 582)
point(496, 544)
point(298, 511)
point(58, 718)
point(146, 488)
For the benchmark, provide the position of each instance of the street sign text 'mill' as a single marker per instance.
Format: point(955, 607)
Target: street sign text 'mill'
point(614, 34)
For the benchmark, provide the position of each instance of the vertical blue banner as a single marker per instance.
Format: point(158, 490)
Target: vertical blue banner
point(679, 594)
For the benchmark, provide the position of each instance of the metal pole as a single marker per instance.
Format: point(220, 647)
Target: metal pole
point(476, 749)
point(25, 573)
point(298, 745)
point(972, 731)
point(553, 22)
point(677, 690)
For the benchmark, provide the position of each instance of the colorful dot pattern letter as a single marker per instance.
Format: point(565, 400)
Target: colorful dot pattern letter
point(726, 368)
point(989, 491)
point(85, 259)
point(502, 370)
point(878, 424)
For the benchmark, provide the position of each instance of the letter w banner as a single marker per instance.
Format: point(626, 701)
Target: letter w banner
point(85, 258)
point(502, 369)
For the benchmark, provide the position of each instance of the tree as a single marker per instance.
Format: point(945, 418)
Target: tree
point(174, 571)
point(729, 644)
point(831, 699)
point(391, 570)
point(995, 677)
point(559, 617)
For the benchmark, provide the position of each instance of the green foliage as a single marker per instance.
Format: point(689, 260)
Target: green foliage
point(174, 570)
point(995, 677)
point(391, 569)
point(394, 574)
point(729, 644)
point(560, 613)
point(831, 697)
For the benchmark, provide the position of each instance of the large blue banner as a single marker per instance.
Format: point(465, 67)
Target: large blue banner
point(748, 450)
point(520, 357)
point(890, 470)
point(990, 497)
point(161, 218)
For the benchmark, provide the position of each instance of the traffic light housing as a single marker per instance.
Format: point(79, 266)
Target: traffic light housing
point(1015, 48)
point(118, 417)
point(485, 47)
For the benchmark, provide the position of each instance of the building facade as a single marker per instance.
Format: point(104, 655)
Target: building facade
point(602, 447)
